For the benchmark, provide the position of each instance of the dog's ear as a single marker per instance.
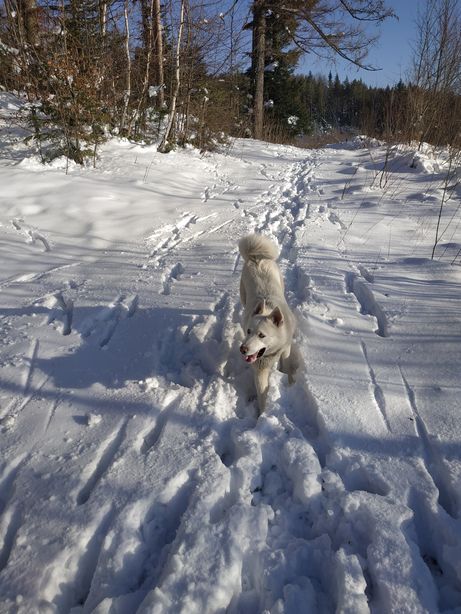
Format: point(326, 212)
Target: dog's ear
point(277, 316)
point(259, 307)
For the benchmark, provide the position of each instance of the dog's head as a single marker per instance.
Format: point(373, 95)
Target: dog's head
point(262, 334)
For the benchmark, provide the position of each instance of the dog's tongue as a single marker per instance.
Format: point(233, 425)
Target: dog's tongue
point(251, 358)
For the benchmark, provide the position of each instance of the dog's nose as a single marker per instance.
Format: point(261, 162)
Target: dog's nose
point(243, 349)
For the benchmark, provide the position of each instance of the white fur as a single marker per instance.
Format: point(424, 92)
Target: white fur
point(266, 314)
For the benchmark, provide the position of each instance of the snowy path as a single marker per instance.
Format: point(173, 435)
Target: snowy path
point(135, 476)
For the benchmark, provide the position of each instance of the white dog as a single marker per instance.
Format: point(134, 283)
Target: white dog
point(268, 322)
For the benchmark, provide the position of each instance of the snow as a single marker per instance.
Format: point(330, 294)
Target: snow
point(135, 475)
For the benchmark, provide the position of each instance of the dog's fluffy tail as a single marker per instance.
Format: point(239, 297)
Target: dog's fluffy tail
point(257, 247)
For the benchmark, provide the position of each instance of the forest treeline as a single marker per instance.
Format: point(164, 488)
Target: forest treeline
point(195, 71)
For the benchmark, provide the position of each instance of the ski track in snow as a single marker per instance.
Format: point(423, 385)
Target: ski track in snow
point(377, 390)
point(101, 463)
point(433, 465)
point(359, 286)
point(151, 438)
point(182, 499)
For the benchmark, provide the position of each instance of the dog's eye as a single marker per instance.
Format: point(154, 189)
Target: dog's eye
point(261, 336)
point(249, 332)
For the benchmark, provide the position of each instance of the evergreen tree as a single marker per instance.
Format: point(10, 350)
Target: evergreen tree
point(315, 24)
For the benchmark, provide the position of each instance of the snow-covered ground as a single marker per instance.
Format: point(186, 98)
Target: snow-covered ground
point(135, 475)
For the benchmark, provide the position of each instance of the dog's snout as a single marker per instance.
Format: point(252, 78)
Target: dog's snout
point(243, 349)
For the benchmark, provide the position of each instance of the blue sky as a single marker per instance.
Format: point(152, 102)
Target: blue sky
point(392, 53)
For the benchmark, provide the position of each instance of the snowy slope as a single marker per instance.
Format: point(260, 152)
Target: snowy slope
point(135, 475)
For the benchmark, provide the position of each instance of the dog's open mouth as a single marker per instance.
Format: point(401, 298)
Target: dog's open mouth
point(254, 357)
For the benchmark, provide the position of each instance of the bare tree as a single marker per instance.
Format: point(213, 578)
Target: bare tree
point(152, 35)
point(22, 17)
point(450, 185)
point(103, 17)
point(436, 72)
point(158, 55)
point(435, 103)
point(258, 65)
point(28, 10)
point(167, 137)
point(124, 124)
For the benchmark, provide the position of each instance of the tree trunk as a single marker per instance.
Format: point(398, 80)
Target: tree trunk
point(258, 65)
point(127, 94)
point(148, 30)
point(164, 145)
point(153, 44)
point(158, 55)
point(103, 17)
point(28, 9)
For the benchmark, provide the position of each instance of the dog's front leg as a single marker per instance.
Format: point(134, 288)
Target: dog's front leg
point(262, 385)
